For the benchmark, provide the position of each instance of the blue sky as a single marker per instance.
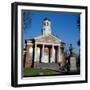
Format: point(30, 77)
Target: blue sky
point(64, 25)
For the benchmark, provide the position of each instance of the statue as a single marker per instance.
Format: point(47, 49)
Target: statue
point(70, 49)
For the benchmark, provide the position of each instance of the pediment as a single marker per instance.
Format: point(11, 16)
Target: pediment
point(48, 39)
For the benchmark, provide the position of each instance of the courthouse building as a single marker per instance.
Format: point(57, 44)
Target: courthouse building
point(46, 48)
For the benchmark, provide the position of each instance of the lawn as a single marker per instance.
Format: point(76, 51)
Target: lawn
point(36, 71)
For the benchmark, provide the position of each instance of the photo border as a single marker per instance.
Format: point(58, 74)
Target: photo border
point(14, 42)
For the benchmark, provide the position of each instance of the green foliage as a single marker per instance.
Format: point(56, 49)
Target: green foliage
point(78, 42)
point(27, 18)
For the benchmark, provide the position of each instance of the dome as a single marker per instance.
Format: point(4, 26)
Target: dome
point(47, 19)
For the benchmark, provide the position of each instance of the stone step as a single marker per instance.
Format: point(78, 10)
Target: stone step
point(52, 66)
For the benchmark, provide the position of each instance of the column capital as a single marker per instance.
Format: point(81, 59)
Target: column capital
point(58, 45)
point(52, 44)
point(35, 43)
point(43, 44)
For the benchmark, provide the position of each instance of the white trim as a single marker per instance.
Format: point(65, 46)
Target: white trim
point(48, 44)
point(56, 38)
point(44, 43)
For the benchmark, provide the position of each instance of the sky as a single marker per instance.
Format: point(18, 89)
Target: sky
point(63, 25)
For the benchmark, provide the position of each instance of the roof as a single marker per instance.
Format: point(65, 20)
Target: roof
point(46, 19)
point(48, 39)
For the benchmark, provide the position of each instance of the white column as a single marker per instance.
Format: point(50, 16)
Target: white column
point(52, 60)
point(35, 54)
point(42, 58)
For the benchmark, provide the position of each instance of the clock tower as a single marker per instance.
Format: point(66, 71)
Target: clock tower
point(46, 27)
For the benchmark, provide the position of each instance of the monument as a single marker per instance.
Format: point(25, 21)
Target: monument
point(73, 66)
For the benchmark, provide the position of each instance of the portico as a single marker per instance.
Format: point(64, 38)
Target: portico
point(44, 53)
point(50, 50)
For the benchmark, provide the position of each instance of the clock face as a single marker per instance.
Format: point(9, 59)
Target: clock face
point(46, 23)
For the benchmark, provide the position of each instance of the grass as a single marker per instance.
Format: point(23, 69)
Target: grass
point(37, 71)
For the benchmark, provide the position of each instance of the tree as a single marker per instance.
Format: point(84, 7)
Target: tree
point(78, 24)
point(27, 18)
point(78, 42)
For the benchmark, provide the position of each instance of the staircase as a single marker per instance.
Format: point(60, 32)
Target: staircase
point(52, 66)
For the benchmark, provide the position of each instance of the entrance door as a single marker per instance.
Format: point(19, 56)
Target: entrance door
point(46, 56)
point(53, 57)
point(46, 59)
